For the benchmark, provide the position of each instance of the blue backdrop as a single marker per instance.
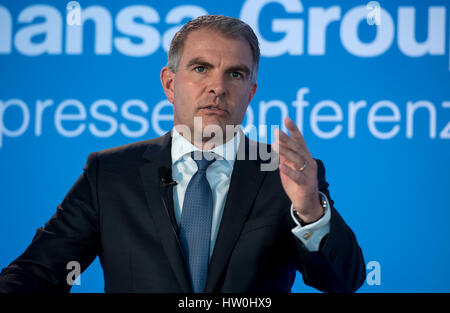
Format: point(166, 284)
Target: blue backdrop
point(368, 83)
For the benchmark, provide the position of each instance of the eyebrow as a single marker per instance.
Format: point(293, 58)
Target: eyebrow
point(198, 61)
point(235, 68)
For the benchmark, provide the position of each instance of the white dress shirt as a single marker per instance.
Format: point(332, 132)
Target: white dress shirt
point(218, 175)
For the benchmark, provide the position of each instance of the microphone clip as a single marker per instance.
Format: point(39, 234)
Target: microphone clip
point(165, 177)
point(166, 183)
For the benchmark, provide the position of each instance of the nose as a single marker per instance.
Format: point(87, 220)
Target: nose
point(218, 85)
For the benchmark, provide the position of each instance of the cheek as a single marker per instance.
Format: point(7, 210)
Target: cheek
point(189, 93)
point(242, 101)
point(239, 111)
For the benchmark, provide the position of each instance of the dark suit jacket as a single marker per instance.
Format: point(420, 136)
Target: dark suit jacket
point(119, 210)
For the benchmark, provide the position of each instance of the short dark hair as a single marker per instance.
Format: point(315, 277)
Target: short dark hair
point(227, 26)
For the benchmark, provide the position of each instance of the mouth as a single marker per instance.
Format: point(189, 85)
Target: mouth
point(213, 109)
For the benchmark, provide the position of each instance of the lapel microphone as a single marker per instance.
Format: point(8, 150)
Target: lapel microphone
point(165, 176)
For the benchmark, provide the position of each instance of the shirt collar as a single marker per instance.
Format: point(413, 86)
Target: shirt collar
point(181, 146)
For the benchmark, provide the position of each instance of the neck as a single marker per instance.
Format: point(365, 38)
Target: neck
point(206, 143)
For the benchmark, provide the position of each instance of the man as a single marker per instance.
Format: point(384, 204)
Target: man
point(163, 219)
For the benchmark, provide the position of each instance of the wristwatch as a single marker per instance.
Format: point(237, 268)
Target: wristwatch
point(323, 203)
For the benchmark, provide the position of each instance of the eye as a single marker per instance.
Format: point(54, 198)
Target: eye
point(236, 75)
point(200, 69)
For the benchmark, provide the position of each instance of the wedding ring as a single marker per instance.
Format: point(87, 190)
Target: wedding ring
point(301, 169)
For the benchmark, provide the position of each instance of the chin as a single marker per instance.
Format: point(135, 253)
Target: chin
point(213, 128)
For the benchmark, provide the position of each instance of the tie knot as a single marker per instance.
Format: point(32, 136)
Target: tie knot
point(203, 159)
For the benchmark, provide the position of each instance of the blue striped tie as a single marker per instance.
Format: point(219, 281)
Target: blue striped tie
point(195, 224)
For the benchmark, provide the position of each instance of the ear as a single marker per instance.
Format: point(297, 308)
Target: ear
point(167, 81)
point(252, 92)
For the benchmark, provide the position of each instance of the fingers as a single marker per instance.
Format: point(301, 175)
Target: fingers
point(293, 130)
point(293, 152)
point(293, 158)
point(295, 175)
point(289, 143)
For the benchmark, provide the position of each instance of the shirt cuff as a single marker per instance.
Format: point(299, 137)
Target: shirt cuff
point(313, 233)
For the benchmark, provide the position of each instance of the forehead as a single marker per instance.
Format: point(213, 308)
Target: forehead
point(212, 45)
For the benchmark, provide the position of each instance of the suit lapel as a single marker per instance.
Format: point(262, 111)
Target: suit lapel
point(160, 203)
point(245, 182)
